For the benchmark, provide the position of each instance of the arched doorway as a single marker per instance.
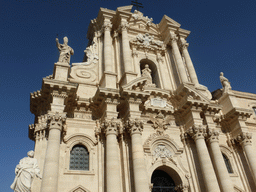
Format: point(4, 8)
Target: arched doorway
point(162, 182)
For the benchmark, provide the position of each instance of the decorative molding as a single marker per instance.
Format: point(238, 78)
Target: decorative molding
point(213, 135)
point(111, 126)
point(79, 188)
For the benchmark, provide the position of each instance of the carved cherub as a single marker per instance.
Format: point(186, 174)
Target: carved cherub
point(160, 122)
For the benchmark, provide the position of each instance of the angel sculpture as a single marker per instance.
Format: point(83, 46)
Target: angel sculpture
point(160, 122)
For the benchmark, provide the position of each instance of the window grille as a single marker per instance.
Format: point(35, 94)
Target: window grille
point(79, 158)
point(227, 162)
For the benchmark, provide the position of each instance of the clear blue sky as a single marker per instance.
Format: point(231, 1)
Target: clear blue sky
point(223, 38)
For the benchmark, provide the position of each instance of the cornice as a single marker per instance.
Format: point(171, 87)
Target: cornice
point(240, 113)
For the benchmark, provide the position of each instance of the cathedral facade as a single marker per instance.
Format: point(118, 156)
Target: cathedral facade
point(132, 117)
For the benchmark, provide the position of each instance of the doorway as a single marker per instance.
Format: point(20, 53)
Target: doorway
point(162, 182)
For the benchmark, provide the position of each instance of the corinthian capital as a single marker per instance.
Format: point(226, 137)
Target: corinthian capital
point(134, 126)
point(197, 132)
point(213, 136)
point(244, 138)
point(107, 26)
point(173, 37)
point(183, 44)
point(111, 126)
point(56, 120)
point(124, 25)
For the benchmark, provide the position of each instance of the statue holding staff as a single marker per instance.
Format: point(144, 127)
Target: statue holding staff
point(65, 51)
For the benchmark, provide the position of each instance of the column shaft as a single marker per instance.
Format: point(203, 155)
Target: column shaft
point(250, 155)
point(209, 177)
point(190, 66)
point(108, 49)
point(220, 167)
point(51, 165)
point(139, 168)
point(126, 51)
point(113, 175)
point(177, 56)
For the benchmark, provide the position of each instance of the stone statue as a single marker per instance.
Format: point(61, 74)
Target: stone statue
point(146, 72)
point(225, 83)
point(65, 51)
point(25, 171)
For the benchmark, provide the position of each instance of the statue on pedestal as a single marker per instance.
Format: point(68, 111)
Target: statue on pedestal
point(225, 83)
point(65, 51)
point(25, 171)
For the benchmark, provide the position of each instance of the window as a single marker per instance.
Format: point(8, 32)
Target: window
point(227, 162)
point(79, 158)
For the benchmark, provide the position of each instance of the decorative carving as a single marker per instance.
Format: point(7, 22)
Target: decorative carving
point(149, 21)
point(173, 37)
point(182, 187)
point(161, 152)
point(91, 54)
point(124, 25)
point(160, 122)
point(107, 26)
point(148, 41)
point(56, 121)
point(213, 136)
point(244, 138)
point(197, 132)
point(225, 83)
point(65, 51)
point(25, 171)
point(137, 15)
point(146, 72)
point(183, 44)
point(111, 126)
point(134, 126)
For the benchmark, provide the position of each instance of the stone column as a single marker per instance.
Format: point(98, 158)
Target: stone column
point(160, 60)
point(178, 58)
point(219, 164)
point(245, 140)
point(113, 173)
point(139, 168)
point(190, 66)
point(126, 47)
point(107, 46)
point(198, 133)
point(51, 164)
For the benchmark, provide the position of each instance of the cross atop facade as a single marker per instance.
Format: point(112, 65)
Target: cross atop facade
point(137, 5)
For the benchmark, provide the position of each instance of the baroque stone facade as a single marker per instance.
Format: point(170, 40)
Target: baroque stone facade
point(132, 117)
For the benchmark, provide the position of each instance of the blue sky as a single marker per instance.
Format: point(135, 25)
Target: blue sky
point(223, 38)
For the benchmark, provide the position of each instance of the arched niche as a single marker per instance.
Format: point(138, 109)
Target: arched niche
point(154, 71)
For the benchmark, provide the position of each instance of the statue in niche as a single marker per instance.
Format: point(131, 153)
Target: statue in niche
point(25, 171)
point(65, 51)
point(146, 72)
point(225, 83)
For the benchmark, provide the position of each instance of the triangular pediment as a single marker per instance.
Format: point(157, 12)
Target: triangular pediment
point(79, 188)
